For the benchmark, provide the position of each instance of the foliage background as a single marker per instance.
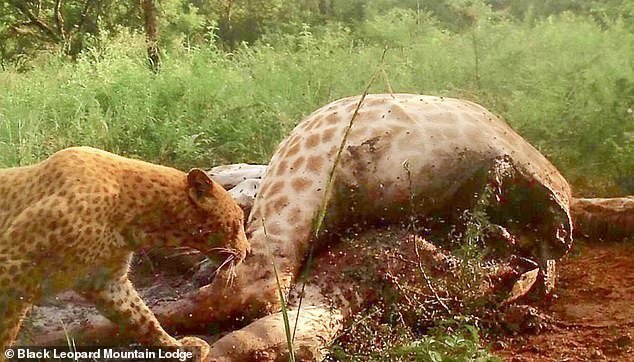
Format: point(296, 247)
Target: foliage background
point(236, 76)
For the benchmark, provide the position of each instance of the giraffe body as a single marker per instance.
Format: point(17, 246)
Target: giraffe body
point(405, 156)
point(400, 146)
point(431, 152)
point(402, 150)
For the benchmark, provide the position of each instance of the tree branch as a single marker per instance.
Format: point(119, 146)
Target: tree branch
point(59, 20)
point(34, 20)
point(150, 13)
point(82, 16)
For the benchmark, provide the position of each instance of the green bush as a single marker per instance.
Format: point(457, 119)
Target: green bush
point(444, 345)
point(566, 83)
point(452, 340)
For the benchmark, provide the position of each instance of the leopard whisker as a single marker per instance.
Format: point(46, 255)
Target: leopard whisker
point(188, 252)
point(228, 260)
point(222, 250)
point(197, 265)
point(201, 262)
point(175, 248)
point(232, 274)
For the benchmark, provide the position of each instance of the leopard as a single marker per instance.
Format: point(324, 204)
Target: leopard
point(75, 219)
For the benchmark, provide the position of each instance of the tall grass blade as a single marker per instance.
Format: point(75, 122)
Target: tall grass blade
point(331, 176)
point(287, 325)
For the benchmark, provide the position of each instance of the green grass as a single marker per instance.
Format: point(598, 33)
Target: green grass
point(565, 83)
point(442, 345)
point(452, 340)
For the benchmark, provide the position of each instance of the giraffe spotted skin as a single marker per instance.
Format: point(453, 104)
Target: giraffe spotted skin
point(403, 149)
point(74, 219)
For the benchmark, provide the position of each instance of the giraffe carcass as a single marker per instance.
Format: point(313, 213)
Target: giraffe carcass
point(404, 155)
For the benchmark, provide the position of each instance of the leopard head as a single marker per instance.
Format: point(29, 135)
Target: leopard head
point(215, 222)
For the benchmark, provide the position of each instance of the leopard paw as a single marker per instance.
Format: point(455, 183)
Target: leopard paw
point(196, 342)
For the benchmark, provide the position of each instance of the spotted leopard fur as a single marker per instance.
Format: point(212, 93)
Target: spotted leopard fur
point(74, 220)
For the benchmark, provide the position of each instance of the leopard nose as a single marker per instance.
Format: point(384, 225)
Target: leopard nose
point(242, 254)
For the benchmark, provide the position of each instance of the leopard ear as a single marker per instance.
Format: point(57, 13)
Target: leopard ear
point(200, 184)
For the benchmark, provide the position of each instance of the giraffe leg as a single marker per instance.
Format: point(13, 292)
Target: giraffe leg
point(251, 291)
point(232, 298)
point(265, 339)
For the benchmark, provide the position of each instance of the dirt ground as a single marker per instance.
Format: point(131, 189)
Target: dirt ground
point(592, 316)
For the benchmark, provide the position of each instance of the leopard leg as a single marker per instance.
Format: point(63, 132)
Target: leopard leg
point(17, 290)
point(119, 301)
point(12, 313)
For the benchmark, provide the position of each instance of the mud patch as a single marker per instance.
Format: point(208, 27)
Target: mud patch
point(592, 315)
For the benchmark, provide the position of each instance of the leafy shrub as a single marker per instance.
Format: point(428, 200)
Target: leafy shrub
point(446, 344)
point(564, 83)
